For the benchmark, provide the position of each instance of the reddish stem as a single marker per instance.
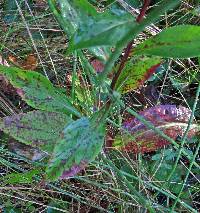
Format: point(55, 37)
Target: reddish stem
point(129, 46)
point(143, 10)
point(121, 66)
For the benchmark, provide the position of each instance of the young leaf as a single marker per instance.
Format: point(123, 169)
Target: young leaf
point(38, 91)
point(134, 75)
point(170, 119)
point(175, 42)
point(82, 141)
point(96, 29)
point(37, 128)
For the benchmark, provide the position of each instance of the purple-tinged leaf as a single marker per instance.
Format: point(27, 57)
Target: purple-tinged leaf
point(36, 128)
point(81, 142)
point(73, 170)
point(174, 42)
point(172, 120)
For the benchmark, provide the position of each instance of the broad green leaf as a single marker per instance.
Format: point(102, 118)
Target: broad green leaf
point(38, 91)
point(175, 42)
point(94, 29)
point(11, 13)
point(134, 3)
point(134, 74)
point(72, 20)
point(82, 141)
point(38, 128)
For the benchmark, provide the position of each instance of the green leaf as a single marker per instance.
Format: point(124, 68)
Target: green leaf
point(175, 42)
point(96, 29)
point(161, 171)
point(38, 91)
point(20, 178)
point(82, 141)
point(72, 19)
point(37, 128)
point(134, 74)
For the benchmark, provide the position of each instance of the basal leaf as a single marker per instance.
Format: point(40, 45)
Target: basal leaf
point(38, 91)
point(170, 119)
point(94, 29)
point(134, 74)
point(27, 151)
point(37, 128)
point(175, 42)
point(82, 141)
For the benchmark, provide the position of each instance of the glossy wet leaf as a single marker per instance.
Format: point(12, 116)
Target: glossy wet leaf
point(82, 141)
point(94, 28)
point(38, 91)
point(73, 18)
point(175, 42)
point(38, 128)
point(134, 74)
point(172, 120)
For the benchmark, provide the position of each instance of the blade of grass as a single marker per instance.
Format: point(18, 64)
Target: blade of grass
point(138, 197)
point(181, 148)
point(186, 178)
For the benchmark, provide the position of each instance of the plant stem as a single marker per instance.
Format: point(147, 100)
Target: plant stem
point(143, 11)
point(74, 77)
point(121, 66)
point(129, 46)
point(137, 28)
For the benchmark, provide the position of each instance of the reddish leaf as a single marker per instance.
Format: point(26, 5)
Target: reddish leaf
point(136, 73)
point(172, 120)
point(97, 65)
point(73, 170)
point(149, 73)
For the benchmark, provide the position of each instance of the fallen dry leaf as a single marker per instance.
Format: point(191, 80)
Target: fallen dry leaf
point(30, 63)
